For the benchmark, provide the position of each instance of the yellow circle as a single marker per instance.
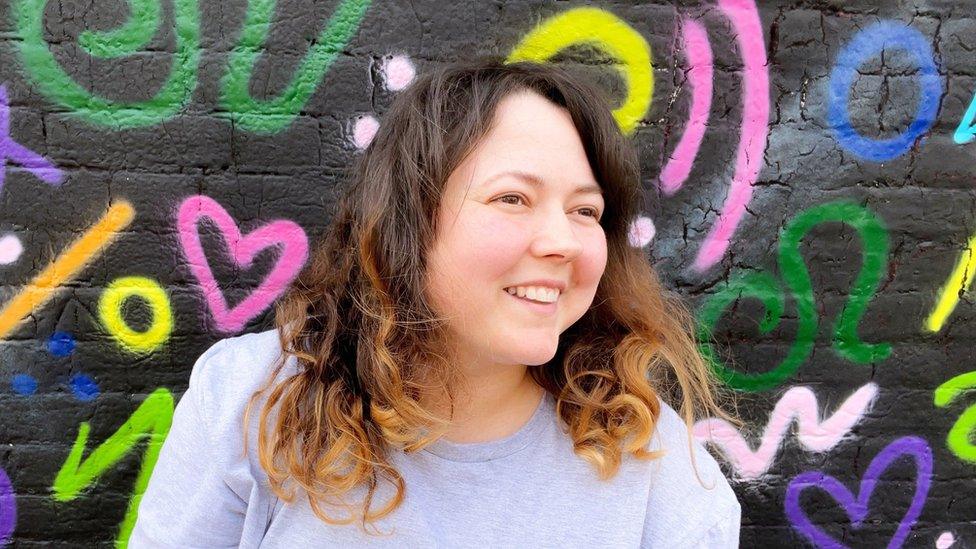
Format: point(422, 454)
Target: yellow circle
point(110, 312)
point(611, 34)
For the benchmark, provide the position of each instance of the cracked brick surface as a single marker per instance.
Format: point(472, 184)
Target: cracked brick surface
point(923, 197)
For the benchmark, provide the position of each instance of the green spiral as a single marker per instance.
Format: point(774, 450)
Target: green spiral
point(46, 74)
point(767, 289)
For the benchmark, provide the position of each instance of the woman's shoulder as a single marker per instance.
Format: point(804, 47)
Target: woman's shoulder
point(687, 479)
point(229, 372)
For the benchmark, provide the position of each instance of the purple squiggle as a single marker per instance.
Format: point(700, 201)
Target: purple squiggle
point(12, 150)
point(8, 508)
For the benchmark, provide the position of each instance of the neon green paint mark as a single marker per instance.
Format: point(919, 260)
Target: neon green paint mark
point(609, 33)
point(959, 282)
point(273, 115)
point(793, 271)
point(132, 36)
point(151, 420)
point(46, 75)
point(960, 435)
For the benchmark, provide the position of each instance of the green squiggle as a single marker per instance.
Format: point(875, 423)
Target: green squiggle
point(152, 420)
point(959, 440)
point(792, 268)
point(46, 74)
point(144, 19)
point(269, 116)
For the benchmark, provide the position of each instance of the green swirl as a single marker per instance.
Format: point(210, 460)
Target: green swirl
point(46, 74)
point(273, 115)
point(764, 287)
point(131, 37)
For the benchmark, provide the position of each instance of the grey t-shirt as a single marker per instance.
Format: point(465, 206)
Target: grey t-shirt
point(526, 490)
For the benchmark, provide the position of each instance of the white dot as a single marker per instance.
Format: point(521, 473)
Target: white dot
point(641, 232)
point(10, 249)
point(364, 130)
point(398, 72)
point(945, 540)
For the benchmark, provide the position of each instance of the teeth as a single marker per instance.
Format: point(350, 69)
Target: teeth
point(535, 293)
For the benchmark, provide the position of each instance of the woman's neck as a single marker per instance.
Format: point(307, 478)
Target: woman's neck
point(496, 406)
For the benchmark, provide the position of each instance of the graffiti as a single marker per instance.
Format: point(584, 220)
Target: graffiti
point(946, 540)
point(959, 438)
point(150, 422)
point(44, 71)
point(134, 35)
point(14, 151)
point(8, 508)
point(282, 233)
point(603, 30)
point(699, 54)
point(767, 289)
point(66, 266)
point(910, 447)
point(10, 249)
point(966, 130)
point(273, 115)
point(255, 115)
point(959, 282)
point(641, 232)
point(755, 128)
point(865, 45)
point(110, 312)
point(799, 403)
point(84, 388)
point(23, 385)
point(61, 344)
point(398, 72)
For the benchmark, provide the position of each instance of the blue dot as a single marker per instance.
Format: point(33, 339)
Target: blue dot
point(24, 384)
point(84, 387)
point(61, 344)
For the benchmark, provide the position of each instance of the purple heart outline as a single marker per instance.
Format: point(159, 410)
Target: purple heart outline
point(857, 508)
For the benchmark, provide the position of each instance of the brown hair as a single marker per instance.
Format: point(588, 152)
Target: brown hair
point(367, 342)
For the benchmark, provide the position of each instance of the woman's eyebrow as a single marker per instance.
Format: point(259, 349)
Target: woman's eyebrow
point(536, 181)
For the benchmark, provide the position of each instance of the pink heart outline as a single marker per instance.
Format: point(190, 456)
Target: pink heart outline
point(287, 235)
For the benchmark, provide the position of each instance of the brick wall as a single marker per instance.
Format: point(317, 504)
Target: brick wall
point(808, 180)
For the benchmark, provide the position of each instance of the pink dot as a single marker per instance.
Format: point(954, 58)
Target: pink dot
point(398, 72)
point(945, 540)
point(364, 130)
point(10, 249)
point(641, 232)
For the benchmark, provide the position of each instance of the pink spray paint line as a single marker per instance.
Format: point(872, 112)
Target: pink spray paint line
point(797, 403)
point(699, 54)
point(287, 235)
point(12, 150)
point(755, 128)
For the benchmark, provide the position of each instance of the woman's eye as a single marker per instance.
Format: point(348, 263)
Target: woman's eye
point(515, 196)
point(594, 213)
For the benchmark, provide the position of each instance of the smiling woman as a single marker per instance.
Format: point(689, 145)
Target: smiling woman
point(476, 331)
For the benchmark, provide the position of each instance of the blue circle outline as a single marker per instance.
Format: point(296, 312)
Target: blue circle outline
point(864, 46)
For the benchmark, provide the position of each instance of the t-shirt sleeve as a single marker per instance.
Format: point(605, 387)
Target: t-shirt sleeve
point(188, 502)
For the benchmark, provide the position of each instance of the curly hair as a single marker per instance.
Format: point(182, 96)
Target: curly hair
point(367, 343)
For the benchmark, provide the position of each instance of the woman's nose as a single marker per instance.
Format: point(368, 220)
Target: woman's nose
point(557, 236)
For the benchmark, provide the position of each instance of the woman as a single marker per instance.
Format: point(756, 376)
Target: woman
point(475, 356)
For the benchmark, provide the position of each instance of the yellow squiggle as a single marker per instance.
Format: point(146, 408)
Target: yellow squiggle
point(607, 32)
point(110, 311)
point(959, 282)
point(65, 266)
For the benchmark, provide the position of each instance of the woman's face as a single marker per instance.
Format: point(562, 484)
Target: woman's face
point(498, 230)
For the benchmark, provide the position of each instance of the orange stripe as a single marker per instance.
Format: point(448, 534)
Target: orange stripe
point(66, 266)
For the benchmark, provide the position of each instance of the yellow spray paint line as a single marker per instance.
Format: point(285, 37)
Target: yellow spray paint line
point(66, 266)
point(959, 282)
